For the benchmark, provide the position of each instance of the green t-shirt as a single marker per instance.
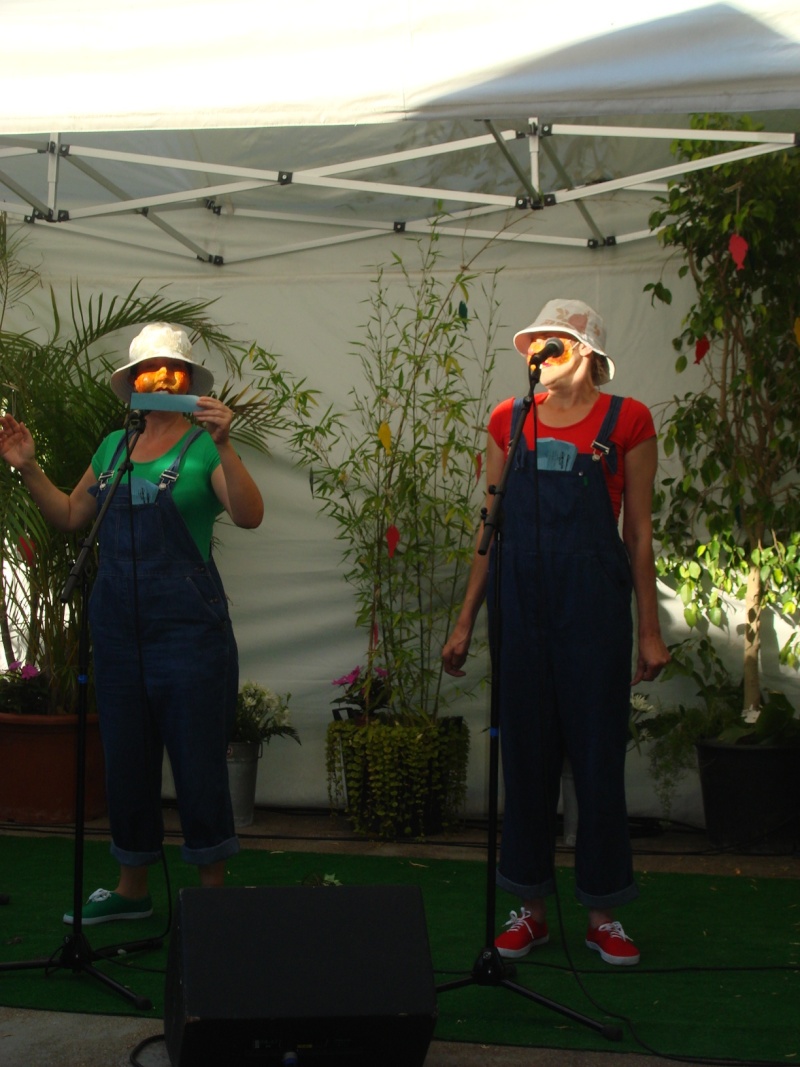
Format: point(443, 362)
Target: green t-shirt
point(192, 493)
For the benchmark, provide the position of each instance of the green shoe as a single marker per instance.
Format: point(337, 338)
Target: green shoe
point(104, 906)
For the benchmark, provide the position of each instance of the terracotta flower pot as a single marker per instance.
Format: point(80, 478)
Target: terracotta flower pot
point(37, 769)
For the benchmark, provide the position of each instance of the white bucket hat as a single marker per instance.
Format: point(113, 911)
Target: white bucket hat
point(160, 340)
point(574, 318)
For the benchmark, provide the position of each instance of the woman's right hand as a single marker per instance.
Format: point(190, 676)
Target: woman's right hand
point(455, 651)
point(16, 444)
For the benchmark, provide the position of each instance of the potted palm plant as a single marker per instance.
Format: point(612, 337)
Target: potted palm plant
point(398, 470)
point(728, 513)
point(55, 380)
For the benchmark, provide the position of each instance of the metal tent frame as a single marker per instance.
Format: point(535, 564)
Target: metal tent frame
point(522, 192)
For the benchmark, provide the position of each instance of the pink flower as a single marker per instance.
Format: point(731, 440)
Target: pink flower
point(348, 679)
point(29, 671)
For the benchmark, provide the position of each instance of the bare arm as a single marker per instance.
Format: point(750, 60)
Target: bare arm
point(65, 511)
point(232, 482)
point(454, 653)
point(637, 533)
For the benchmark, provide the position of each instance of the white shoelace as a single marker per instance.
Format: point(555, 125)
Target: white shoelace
point(516, 921)
point(98, 895)
point(615, 929)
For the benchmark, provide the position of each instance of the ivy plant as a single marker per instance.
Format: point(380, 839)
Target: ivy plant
point(398, 779)
point(728, 514)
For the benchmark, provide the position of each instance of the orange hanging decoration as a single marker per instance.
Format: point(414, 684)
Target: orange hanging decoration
point(478, 465)
point(738, 248)
point(392, 538)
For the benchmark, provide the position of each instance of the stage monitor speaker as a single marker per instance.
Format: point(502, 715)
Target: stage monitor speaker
point(306, 975)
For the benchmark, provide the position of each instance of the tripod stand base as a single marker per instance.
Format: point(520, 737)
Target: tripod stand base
point(491, 970)
point(77, 954)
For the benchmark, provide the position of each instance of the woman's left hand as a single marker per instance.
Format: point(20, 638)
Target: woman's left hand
point(215, 417)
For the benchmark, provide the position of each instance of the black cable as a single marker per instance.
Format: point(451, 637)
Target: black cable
point(143, 1044)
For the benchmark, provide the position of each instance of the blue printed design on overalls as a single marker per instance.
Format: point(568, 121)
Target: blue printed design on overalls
point(564, 673)
point(166, 673)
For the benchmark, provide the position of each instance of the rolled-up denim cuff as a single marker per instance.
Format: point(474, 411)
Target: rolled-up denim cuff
point(526, 892)
point(134, 859)
point(608, 900)
point(201, 857)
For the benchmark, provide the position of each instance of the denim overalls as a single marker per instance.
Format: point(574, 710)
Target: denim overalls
point(564, 673)
point(166, 673)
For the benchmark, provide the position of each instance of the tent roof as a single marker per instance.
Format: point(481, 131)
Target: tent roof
point(200, 64)
point(239, 130)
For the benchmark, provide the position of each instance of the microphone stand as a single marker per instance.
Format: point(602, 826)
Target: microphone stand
point(75, 951)
point(490, 969)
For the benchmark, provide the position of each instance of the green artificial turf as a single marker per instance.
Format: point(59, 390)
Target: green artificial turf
point(719, 976)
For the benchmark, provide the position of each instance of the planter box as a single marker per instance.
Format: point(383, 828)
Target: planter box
point(37, 769)
point(399, 781)
point(751, 796)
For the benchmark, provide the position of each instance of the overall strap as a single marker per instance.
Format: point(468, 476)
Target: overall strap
point(107, 475)
point(518, 412)
point(602, 444)
point(170, 475)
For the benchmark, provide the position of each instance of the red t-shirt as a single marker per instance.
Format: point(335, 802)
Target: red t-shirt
point(634, 425)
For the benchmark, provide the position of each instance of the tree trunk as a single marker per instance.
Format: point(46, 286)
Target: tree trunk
point(752, 638)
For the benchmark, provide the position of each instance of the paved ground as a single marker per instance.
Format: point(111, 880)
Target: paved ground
point(52, 1039)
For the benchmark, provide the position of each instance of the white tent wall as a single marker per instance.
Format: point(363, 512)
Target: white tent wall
point(293, 612)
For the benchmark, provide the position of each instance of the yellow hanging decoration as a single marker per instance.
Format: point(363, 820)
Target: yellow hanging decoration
point(385, 436)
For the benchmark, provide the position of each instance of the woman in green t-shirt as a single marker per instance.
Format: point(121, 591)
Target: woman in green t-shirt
point(165, 659)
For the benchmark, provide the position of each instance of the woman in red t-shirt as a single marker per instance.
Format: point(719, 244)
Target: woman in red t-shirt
point(564, 663)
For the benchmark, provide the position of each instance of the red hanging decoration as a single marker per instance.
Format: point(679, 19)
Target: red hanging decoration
point(478, 465)
point(392, 538)
point(738, 247)
point(28, 549)
point(701, 347)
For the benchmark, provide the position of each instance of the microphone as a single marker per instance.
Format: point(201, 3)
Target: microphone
point(554, 347)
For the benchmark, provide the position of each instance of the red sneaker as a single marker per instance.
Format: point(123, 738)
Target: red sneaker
point(613, 944)
point(523, 933)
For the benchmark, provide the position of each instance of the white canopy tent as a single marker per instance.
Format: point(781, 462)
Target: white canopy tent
point(344, 122)
point(270, 156)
